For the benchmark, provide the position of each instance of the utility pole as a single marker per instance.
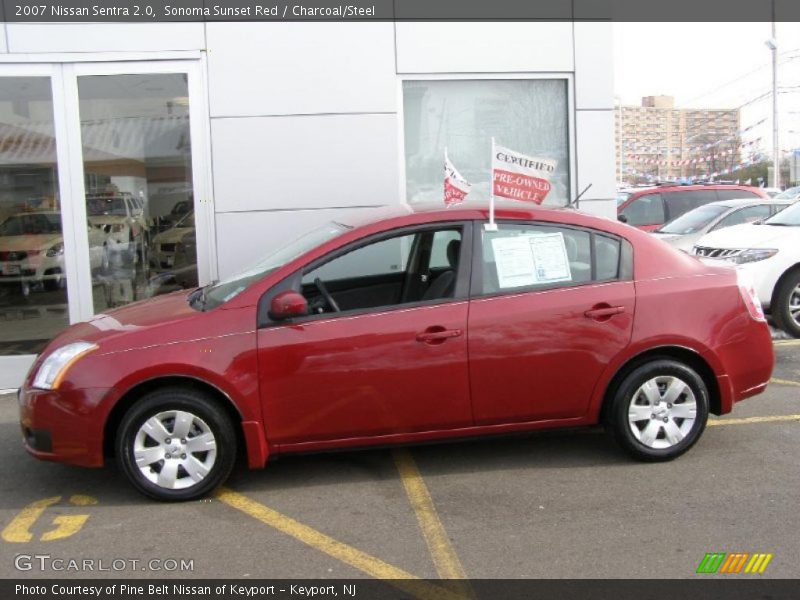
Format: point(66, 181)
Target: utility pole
point(772, 43)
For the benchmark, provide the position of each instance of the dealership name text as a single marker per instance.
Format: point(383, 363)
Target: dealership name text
point(180, 589)
point(215, 10)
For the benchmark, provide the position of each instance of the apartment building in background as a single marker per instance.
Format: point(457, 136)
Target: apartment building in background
point(658, 141)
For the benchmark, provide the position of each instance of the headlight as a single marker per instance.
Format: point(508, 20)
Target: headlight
point(56, 250)
point(55, 367)
point(753, 255)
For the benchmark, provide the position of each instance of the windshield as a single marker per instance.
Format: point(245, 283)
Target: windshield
point(622, 196)
point(35, 224)
point(694, 220)
point(187, 221)
point(789, 194)
point(788, 216)
point(105, 206)
point(229, 288)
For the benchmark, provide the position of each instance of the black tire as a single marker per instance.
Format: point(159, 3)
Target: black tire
point(208, 417)
point(787, 294)
point(631, 399)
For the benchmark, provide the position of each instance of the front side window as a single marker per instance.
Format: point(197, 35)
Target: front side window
point(645, 210)
point(414, 267)
point(694, 220)
point(749, 214)
point(462, 116)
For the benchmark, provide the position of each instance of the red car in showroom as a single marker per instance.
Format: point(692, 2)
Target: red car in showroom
point(405, 327)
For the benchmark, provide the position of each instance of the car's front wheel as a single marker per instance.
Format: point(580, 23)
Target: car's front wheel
point(786, 310)
point(659, 410)
point(176, 444)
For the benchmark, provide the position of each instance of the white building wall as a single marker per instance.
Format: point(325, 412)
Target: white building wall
point(305, 122)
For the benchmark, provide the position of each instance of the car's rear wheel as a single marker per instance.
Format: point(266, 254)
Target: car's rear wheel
point(176, 444)
point(786, 309)
point(659, 410)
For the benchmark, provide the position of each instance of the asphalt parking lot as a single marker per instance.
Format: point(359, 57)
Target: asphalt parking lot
point(550, 505)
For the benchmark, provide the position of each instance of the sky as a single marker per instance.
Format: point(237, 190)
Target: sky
point(713, 65)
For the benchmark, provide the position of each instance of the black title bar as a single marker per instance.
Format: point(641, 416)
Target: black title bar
point(154, 11)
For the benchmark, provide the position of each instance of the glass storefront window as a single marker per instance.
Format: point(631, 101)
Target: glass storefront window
point(138, 178)
point(33, 294)
point(526, 115)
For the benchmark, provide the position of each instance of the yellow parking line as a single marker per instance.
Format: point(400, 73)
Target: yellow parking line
point(448, 566)
point(747, 420)
point(786, 342)
point(785, 382)
point(357, 559)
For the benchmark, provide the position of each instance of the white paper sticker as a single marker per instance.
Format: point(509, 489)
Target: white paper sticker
point(514, 259)
point(531, 259)
point(550, 257)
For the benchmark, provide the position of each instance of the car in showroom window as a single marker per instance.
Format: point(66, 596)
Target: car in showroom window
point(769, 253)
point(406, 328)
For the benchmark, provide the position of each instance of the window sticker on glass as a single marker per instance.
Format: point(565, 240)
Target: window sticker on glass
point(531, 259)
point(514, 260)
point(550, 257)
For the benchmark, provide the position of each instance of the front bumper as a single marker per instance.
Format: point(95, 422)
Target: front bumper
point(63, 426)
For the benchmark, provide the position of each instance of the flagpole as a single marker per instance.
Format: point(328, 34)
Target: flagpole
point(491, 226)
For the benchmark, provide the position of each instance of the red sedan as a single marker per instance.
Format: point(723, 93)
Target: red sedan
point(418, 325)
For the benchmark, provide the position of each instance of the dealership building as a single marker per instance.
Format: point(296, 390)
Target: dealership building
point(136, 159)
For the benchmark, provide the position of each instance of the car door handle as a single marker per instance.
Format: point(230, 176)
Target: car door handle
point(603, 312)
point(437, 335)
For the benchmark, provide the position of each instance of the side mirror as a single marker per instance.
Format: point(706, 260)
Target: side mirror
point(288, 304)
point(622, 218)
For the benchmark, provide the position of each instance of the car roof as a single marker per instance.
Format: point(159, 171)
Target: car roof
point(738, 202)
point(436, 211)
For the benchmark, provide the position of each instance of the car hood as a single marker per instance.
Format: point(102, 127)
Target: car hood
point(665, 236)
point(29, 242)
point(749, 236)
point(107, 219)
point(124, 328)
point(173, 235)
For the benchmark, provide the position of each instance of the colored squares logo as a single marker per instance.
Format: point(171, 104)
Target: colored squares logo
point(734, 563)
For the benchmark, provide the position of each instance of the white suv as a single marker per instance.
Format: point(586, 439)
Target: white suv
point(770, 253)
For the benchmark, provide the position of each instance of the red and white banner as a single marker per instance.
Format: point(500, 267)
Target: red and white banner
point(456, 187)
point(520, 177)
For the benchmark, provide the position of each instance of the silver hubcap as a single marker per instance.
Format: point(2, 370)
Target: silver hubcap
point(175, 449)
point(794, 305)
point(662, 412)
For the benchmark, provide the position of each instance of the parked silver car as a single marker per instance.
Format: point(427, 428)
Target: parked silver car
point(683, 232)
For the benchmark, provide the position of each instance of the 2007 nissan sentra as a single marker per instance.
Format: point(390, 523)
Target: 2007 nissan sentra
point(406, 327)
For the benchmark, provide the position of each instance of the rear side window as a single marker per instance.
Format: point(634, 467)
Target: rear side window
point(734, 194)
point(645, 210)
point(519, 256)
point(681, 202)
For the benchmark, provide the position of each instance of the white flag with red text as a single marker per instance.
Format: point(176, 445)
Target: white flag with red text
point(456, 187)
point(520, 177)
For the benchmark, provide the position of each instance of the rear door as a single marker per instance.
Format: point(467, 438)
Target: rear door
point(551, 306)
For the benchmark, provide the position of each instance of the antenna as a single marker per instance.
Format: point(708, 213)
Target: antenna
point(578, 197)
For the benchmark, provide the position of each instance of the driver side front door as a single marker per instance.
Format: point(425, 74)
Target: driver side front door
point(391, 361)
